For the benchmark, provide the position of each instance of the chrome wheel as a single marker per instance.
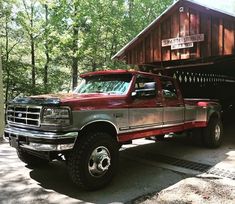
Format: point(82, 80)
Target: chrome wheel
point(213, 133)
point(99, 161)
point(94, 160)
point(217, 132)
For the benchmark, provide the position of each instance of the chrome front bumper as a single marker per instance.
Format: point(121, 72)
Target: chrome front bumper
point(39, 141)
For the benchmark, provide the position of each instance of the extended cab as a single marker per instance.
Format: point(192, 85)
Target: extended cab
point(108, 109)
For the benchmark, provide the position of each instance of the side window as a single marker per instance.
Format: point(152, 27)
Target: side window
point(145, 86)
point(168, 88)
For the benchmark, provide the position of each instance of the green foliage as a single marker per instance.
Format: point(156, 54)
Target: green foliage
point(74, 33)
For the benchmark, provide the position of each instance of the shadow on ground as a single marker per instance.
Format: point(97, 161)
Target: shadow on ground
point(51, 184)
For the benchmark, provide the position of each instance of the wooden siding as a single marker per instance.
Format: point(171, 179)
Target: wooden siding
point(218, 30)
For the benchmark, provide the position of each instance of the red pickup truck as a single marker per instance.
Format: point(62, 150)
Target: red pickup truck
point(108, 109)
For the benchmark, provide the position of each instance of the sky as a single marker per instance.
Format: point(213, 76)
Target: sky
point(227, 5)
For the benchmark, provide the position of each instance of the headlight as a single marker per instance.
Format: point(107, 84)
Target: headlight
point(56, 116)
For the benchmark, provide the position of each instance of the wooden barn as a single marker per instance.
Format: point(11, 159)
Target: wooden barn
point(191, 42)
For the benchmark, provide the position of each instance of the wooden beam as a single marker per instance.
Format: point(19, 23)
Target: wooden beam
point(198, 65)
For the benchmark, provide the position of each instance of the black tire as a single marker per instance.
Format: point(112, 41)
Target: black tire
point(91, 153)
point(31, 160)
point(213, 133)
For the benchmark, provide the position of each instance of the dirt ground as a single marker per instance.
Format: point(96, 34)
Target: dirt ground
point(207, 190)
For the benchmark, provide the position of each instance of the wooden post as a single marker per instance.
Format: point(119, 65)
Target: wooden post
point(1, 99)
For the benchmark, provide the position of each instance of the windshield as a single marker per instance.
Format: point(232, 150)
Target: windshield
point(109, 84)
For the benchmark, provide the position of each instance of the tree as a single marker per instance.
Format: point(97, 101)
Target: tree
point(28, 23)
point(46, 48)
point(48, 43)
point(1, 94)
point(10, 39)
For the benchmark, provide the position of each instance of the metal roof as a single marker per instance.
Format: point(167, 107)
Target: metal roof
point(120, 52)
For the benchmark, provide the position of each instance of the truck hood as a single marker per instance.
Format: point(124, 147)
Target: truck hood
point(74, 101)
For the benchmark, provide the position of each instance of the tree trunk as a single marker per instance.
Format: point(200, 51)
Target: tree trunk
point(2, 114)
point(33, 62)
point(75, 58)
point(130, 8)
point(46, 51)
point(32, 42)
point(93, 66)
point(75, 72)
point(75, 49)
point(32, 51)
point(46, 69)
point(7, 60)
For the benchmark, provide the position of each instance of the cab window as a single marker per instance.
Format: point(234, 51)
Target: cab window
point(145, 86)
point(168, 88)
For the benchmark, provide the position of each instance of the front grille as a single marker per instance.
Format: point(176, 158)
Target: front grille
point(23, 115)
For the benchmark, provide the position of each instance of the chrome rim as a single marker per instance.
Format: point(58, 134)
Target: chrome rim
point(217, 132)
point(99, 161)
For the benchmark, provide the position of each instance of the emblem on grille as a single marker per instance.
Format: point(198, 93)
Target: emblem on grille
point(20, 115)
